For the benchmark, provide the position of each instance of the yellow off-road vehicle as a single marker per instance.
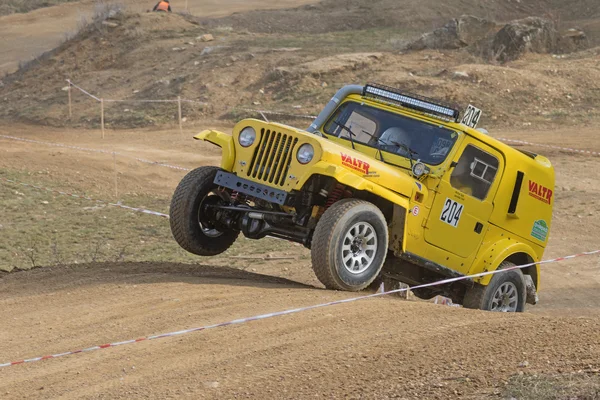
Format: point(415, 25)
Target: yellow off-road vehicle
point(382, 185)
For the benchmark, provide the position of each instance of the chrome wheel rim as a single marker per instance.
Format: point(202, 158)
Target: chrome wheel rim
point(359, 248)
point(506, 298)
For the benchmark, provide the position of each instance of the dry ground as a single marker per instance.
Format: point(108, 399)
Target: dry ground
point(381, 348)
point(25, 36)
point(111, 274)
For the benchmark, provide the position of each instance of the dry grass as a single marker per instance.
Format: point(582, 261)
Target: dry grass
point(579, 386)
point(43, 229)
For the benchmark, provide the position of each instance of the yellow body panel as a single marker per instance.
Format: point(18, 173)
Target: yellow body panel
point(225, 142)
point(359, 172)
point(486, 233)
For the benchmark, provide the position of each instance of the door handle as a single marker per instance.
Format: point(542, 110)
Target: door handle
point(478, 227)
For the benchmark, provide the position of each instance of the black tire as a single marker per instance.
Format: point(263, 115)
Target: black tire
point(482, 297)
point(185, 217)
point(329, 241)
point(426, 293)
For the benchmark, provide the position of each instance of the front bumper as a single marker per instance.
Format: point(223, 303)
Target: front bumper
point(263, 192)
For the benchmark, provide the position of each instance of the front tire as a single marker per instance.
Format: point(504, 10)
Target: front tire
point(349, 245)
point(506, 292)
point(191, 226)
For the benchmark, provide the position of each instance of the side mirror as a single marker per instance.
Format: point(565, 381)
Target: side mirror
point(453, 164)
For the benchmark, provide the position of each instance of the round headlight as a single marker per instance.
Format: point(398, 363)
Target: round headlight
point(419, 169)
point(305, 153)
point(247, 137)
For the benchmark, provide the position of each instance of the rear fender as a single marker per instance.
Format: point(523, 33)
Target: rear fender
point(225, 142)
point(507, 249)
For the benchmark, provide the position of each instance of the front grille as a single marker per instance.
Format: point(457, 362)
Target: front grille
point(273, 157)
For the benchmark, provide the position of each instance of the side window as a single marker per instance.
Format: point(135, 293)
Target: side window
point(475, 172)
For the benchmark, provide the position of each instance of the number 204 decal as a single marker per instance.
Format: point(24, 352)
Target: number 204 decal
point(451, 212)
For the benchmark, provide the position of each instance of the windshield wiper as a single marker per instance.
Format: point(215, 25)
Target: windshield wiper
point(409, 151)
point(351, 134)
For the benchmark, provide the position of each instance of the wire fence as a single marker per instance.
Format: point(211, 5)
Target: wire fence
point(179, 101)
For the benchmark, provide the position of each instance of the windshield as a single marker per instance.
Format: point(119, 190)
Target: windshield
point(391, 132)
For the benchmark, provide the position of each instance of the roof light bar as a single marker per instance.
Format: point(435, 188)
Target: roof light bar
point(414, 102)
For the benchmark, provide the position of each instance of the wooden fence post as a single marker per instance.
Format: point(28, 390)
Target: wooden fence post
point(116, 177)
point(70, 103)
point(180, 119)
point(102, 116)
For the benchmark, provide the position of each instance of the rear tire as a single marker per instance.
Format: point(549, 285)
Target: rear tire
point(506, 292)
point(190, 226)
point(349, 245)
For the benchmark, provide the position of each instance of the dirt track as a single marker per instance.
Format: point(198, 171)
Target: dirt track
point(372, 349)
point(379, 348)
point(376, 348)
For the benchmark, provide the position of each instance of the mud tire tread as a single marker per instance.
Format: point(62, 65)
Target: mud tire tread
point(322, 242)
point(475, 297)
point(182, 220)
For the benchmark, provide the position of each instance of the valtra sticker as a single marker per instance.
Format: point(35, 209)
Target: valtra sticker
point(355, 163)
point(540, 230)
point(416, 210)
point(540, 192)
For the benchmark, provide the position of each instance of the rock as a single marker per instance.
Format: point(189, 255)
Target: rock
point(207, 50)
point(184, 119)
point(2, 84)
point(110, 24)
point(45, 202)
point(461, 32)
point(461, 75)
point(332, 64)
point(524, 364)
point(286, 49)
point(65, 89)
point(211, 385)
point(196, 63)
point(206, 38)
point(575, 35)
point(518, 37)
point(113, 13)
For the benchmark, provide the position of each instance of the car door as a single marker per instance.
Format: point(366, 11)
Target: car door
point(463, 201)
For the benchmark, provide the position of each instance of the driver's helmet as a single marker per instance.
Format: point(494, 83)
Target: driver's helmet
point(461, 176)
point(391, 136)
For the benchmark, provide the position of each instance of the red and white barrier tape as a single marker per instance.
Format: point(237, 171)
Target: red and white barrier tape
point(83, 90)
point(549, 146)
point(285, 312)
point(154, 101)
point(157, 163)
point(82, 197)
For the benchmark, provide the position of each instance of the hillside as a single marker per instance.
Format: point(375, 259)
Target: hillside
point(152, 56)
